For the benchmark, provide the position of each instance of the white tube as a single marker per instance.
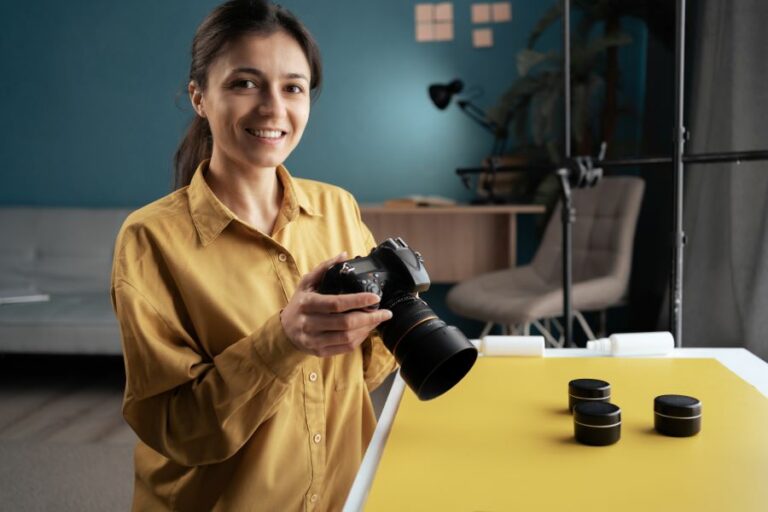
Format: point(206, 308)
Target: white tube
point(527, 346)
point(634, 344)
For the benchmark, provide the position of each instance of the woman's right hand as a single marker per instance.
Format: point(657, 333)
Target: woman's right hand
point(326, 325)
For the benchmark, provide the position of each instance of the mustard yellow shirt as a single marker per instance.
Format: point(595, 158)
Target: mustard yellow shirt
point(230, 416)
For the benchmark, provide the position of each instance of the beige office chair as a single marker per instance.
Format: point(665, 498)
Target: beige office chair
point(516, 298)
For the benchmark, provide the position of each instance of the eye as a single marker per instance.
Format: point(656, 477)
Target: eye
point(244, 84)
point(294, 89)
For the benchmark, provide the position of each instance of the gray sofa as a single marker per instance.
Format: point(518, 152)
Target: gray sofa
point(65, 253)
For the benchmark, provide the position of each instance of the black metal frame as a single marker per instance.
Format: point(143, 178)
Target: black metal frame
point(678, 159)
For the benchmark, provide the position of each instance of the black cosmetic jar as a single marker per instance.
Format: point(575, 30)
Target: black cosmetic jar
point(588, 390)
point(677, 415)
point(597, 423)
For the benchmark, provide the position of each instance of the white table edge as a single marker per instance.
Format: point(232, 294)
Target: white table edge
point(740, 361)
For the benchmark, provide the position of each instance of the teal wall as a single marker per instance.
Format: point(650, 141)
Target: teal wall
point(93, 100)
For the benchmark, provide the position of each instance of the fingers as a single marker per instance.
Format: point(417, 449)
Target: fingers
point(326, 325)
point(319, 303)
point(325, 334)
point(350, 321)
point(312, 278)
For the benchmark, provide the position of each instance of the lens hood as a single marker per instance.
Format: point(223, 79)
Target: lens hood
point(439, 361)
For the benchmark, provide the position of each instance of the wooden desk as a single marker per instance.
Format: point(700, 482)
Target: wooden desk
point(457, 242)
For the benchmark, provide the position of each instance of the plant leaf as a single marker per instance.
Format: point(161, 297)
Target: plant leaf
point(527, 59)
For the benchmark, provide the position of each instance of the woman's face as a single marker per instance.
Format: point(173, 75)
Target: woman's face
point(256, 100)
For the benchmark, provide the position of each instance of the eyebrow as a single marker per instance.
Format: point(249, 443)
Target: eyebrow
point(259, 73)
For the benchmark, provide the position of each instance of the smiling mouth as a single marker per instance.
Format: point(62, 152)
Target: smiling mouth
point(266, 134)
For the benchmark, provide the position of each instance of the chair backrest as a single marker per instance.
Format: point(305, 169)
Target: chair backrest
point(603, 234)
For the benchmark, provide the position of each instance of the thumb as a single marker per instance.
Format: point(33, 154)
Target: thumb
point(312, 278)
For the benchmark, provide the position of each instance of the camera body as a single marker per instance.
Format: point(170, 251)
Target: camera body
point(390, 269)
point(433, 356)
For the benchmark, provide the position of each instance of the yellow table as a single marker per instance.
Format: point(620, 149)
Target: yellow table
point(503, 440)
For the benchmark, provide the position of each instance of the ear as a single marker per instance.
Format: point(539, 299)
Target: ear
point(196, 97)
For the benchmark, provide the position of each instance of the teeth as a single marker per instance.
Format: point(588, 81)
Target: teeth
point(267, 134)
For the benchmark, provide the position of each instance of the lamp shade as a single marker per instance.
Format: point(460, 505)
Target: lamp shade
point(441, 94)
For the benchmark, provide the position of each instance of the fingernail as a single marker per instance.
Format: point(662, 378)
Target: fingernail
point(387, 314)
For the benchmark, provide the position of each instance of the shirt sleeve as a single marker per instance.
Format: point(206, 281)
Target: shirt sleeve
point(185, 405)
point(378, 361)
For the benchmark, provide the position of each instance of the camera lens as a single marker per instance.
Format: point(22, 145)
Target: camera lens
point(433, 356)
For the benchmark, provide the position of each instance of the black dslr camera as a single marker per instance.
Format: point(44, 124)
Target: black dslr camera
point(433, 356)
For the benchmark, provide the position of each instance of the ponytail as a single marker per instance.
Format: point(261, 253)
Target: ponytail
point(195, 147)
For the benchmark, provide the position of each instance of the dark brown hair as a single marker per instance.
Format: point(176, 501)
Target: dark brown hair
point(225, 24)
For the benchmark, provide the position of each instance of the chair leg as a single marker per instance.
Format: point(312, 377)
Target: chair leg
point(486, 329)
point(547, 335)
point(560, 330)
point(584, 325)
point(603, 329)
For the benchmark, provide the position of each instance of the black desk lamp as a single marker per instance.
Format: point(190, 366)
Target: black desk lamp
point(441, 95)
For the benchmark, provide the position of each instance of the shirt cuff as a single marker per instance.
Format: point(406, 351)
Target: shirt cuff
point(275, 350)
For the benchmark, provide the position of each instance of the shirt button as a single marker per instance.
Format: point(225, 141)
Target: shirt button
point(314, 498)
point(317, 438)
point(282, 257)
point(312, 377)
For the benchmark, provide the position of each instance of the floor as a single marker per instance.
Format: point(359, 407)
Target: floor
point(67, 399)
point(63, 443)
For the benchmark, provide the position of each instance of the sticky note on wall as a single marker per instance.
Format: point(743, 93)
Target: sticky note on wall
point(424, 13)
point(482, 38)
point(443, 31)
point(444, 11)
point(501, 12)
point(425, 32)
point(481, 13)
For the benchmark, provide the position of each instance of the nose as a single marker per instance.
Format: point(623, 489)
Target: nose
point(272, 103)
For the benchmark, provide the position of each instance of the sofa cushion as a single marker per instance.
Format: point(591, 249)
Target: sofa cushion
point(58, 250)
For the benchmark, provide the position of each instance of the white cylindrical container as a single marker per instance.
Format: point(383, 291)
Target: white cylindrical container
point(634, 344)
point(530, 346)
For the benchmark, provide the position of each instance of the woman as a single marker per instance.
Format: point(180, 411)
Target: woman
point(247, 389)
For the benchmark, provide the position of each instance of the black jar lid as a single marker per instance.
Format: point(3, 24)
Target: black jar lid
point(597, 414)
point(589, 388)
point(677, 406)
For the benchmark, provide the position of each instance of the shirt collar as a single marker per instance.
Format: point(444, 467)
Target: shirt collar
point(293, 195)
point(210, 216)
